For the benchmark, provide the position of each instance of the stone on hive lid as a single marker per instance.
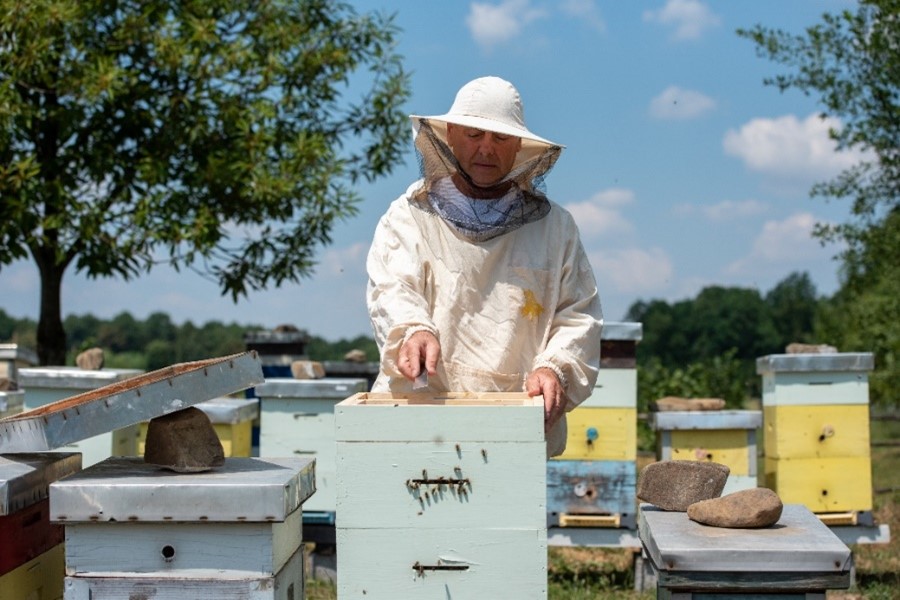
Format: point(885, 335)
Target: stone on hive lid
point(676, 484)
point(798, 348)
point(355, 355)
point(91, 359)
point(307, 369)
point(745, 509)
point(673, 403)
point(7, 385)
point(184, 441)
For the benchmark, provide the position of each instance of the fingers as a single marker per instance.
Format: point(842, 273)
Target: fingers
point(543, 381)
point(422, 349)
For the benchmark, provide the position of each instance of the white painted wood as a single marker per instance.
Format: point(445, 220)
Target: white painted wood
point(377, 564)
point(498, 417)
point(261, 547)
point(615, 388)
point(736, 483)
point(508, 485)
point(198, 584)
point(814, 388)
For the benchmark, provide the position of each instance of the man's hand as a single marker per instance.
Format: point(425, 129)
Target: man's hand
point(422, 348)
point(543, 381)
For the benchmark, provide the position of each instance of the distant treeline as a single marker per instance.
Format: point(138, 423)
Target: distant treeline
point(157, 342)
point(701, 347)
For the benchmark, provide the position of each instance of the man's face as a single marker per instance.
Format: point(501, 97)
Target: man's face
point(487, 157)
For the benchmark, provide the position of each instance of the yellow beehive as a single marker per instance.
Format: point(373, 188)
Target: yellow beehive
point(728, 447)
point(816, 428)
point(601, 434)
point(824, 485)
point(232, 419)
point(41, 578)
point(816, 431)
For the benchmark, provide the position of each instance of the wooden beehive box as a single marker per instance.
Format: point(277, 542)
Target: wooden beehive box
point(232, 419)
point(31, 550)
point(816, 433)
point(46, 385)
point(136, 530)
point(11, 403)
point(297, 418)
point(441, 496)
point(726, 437)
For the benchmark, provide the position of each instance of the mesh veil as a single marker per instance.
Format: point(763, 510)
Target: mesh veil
point(524, 200)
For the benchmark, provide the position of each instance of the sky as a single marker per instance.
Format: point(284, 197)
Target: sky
point(681, 168)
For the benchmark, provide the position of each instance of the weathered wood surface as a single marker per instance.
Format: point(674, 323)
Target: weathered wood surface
point(615, 388)
point(835, 484)
point(601, 434)
point(824, 431)
point(591, 487)
point(816, 388)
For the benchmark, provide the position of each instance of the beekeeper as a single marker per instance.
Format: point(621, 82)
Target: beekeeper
point(477, 281)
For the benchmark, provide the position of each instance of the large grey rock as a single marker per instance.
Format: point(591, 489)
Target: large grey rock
point(746, 509)
point(91, 359)
point(184, 441)
point(676, 484)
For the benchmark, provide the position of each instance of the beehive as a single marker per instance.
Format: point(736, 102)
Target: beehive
point(14, 357)
point(11, 403)
point(816, 415)
point(232, 419)
point(44, 385)
point(726, 437)
point(297, 418)
point(593, 483)
point(31, 552)
point(134, 530)
point(441, 496)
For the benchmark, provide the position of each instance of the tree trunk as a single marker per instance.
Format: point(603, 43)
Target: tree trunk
point(51, 336)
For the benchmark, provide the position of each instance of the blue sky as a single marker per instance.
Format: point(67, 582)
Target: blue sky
point(681, 168)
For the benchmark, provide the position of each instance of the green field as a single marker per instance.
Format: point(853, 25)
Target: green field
point(605, 574)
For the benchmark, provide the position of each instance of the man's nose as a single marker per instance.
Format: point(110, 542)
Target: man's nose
point(488, 144)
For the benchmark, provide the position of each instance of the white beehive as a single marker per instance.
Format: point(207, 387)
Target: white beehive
point(441, 496)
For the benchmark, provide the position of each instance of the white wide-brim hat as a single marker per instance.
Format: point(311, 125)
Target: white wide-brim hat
point(490, 104)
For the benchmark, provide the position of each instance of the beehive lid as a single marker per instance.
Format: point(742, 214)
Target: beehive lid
point(798, 542)
point(230, 410)
point(11, 400)
point(288, 387)
point(71, 378)
point(18, 353)
point(705, 419)
point(126, 489)
point(25, 478)
point(621, 331)
point(127, 402)
point(802, 363)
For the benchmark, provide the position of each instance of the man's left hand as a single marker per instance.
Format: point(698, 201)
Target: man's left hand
point(543, 382)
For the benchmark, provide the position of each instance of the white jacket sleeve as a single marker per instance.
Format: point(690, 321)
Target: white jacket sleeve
point(573, 348)
point(398, 284)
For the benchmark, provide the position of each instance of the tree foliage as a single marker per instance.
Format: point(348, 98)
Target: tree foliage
point(223, 136)
point(851, 63)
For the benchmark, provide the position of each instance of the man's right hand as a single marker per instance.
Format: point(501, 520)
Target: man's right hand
point(422, 348)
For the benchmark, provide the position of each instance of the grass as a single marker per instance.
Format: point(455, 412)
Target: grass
point(608, 574)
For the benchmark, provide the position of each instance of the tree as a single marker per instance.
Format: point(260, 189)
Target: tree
point(851, 61)
point(222, 136)
point(793, 304)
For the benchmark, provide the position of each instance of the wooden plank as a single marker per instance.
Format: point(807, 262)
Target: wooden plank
point(423, 418)
point(825, 485)
point(815, 388)
point(591, 487)
point(27, 534)
point(383, 485)
point(287, 584)
point(615, 388)
point(138, 547)
point(822, 431)
point(731, 447)
point(41, 578)
point(498, 563)
point(601, 434)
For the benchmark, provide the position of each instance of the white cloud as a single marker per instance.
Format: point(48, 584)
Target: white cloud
point(586, 11)
point(492, 24)
point(689, 18)
point(349, 260)
point(601, 212)
point(786, 147)
point(785, 243)
point(677, 103)
point(632, 270)
point(727, 210)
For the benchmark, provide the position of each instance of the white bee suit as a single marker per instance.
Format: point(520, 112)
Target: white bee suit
point(500, 308)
